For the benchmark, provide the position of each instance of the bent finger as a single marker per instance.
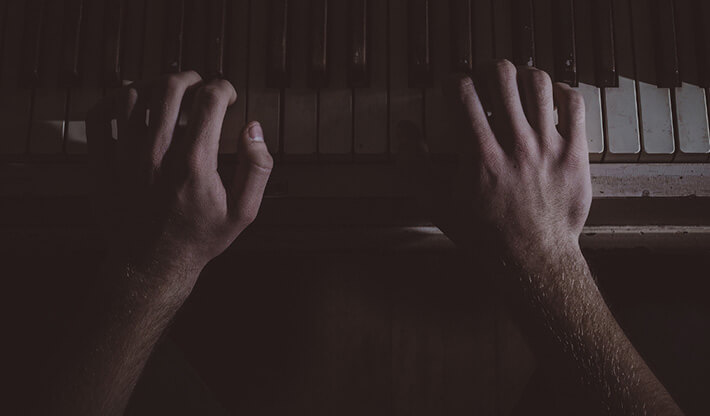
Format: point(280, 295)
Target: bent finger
point(201, 141)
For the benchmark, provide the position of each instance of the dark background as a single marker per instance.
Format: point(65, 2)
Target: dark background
point(356, 332)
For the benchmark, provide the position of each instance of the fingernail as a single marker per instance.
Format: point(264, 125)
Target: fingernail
point(255, 133)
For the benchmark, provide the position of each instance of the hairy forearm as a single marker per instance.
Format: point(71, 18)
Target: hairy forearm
point(569, 320)
point(104, 358)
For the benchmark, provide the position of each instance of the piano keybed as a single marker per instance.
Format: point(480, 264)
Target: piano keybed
point(330, 80)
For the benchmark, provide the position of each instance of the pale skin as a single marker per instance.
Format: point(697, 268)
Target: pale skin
point(522, 197)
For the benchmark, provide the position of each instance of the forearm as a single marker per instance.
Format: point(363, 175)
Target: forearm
point(124, 320)
point(569, 320)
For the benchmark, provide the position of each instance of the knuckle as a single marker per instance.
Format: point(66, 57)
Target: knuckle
point(246, 214)
point(171, 82)
point(212, 96)
point(261, 160)
point(505, 69)
point(539, 78)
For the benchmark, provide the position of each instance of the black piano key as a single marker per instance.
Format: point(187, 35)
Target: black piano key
point(702, 28)
point(523, 33)
point(604, 54)
point(461, 36)
point(277, 58)
point(666, 44)
point(420, 75)
point(195, 54)
point(358, 66)
point(174, 32)
point(73, 28)
point(31, 43)
point(565, 42)
point(133, 36)
point(113, 28)
point(318, 72)
point(215, 40)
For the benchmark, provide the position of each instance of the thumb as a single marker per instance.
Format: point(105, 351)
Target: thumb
point(254, 164)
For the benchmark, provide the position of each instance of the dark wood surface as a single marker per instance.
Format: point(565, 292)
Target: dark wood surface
point(356, 332)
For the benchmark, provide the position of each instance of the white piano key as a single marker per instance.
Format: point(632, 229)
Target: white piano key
point(335, 131)
point(89, 92)
point(594, 123)
point(622, 127)
point(503, 29)
point(49, 99)
point(236, 59)
point(370, 103)
point(264, 103)
point(300, 128)
point(690, 99)
point(692, 118)
point(406, 104)
point(656, 115)
point(544, 37)
point(657, 123)
point(482, 27)
point(15, 101)
point(155, 12)
point(435, 112)
point(587, 87)
point(47, 127)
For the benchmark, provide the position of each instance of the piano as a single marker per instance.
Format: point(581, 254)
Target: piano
point(330, 79)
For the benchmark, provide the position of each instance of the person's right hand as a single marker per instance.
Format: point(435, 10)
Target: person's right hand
point(163, 203)
point(524, 181)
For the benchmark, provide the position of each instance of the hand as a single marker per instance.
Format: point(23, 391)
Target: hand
point(523, 182)
point(162, 201)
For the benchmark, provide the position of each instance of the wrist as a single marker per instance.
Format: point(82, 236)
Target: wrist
point(155, 281)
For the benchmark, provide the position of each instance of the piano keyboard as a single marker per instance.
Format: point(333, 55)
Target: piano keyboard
point(329, 80)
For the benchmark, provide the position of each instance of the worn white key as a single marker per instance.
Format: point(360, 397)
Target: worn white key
point(406, 104)
point(264, 103)
point(438, 139)
point(482, 28)
point(15, 101)
point(300, 100)
point(236, 58)
point(335, 132)
point(50, 99)
point(594, 123)
point(656, 116)
point(690, 99)
point(90, 91)
point(47, 127)
point(503, 29)
point(585, 73)
point(692, 116)
point(370, 104)
point(622, 127)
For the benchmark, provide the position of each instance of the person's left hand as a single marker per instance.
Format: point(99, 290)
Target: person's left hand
point(162, 202)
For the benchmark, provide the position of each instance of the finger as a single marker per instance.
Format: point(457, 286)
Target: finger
point(570, 109)
point(165, 103)
point(536, 90)
point(254, 164)
point(100, 142)
point(201, 141)
point(475, 135)
point(509, 121)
